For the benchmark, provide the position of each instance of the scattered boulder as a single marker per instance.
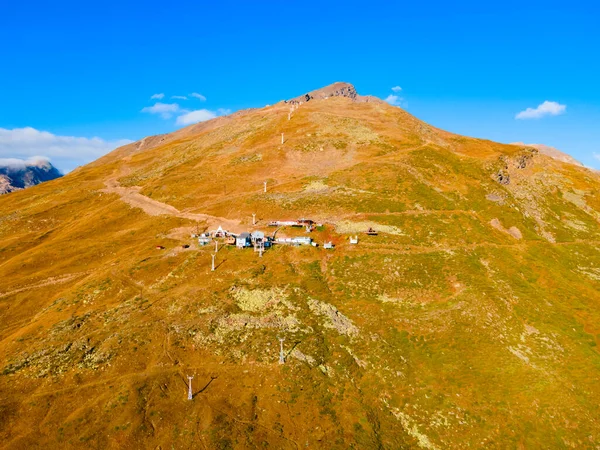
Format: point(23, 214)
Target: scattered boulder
point(503, 177)
point(522, 161)
point(335, 319)
point(495, 198)
point(513, 231)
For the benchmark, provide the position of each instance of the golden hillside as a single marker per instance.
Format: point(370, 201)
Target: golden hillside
point(470, 320)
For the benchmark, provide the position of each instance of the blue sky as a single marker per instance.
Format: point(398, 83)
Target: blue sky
point(78, 70)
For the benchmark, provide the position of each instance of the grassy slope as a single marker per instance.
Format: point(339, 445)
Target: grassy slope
point(466, 336)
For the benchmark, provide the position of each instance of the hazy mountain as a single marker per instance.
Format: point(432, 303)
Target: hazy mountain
point(18, 174)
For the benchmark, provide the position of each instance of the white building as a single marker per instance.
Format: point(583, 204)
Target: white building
point(243, 240)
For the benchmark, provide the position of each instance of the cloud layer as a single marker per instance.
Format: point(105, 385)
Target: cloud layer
point(67, 152)
point(199, 115)
point(545, 109)
point(20, 164)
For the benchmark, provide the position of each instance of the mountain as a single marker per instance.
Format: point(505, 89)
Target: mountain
point(18, 174)
point(469, 319)
point(338, 89)
point(552, 153)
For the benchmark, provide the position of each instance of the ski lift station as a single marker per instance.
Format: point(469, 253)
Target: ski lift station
point(260, 241)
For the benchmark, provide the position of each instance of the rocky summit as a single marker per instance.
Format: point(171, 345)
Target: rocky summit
point(324, 272)
point(339, 89)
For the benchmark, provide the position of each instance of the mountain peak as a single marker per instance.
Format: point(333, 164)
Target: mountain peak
point(395, 254)
point(337, 89)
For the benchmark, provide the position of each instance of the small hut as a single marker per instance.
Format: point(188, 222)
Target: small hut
point(243, 240)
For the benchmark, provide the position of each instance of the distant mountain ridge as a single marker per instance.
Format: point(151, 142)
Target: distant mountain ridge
point(17, 174)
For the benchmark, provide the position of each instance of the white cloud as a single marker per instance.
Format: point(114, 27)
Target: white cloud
point(200, 97)
point(20, 164)
point(179, 97)
point(199, 115)
point(157, 97)
point(166, 110)
point(184, 116)
point(396, 89)
point(67, 152)
point(394, 100)
point(545, 109)
point(597, 156)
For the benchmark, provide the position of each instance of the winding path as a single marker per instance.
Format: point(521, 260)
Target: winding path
point(132, 196)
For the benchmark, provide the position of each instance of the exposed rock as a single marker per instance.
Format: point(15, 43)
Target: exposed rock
point(359, 362)
point(302, 357)
point(503, 177)
point(522, 161)
point(55, 360)
point(513, 231)
point(338, 89)
point(411, 428)
point(237, 322)
point(257, 299)
point(495, 198)
point(336, 319)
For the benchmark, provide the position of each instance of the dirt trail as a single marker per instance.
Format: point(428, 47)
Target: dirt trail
point(132, 197)
point(407, 249)
point(48, 282)
point(414, 212)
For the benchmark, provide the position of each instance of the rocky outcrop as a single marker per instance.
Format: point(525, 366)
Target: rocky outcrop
point(507, 166)
point(503, 177)
point(334, 319)
point(339, 89)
